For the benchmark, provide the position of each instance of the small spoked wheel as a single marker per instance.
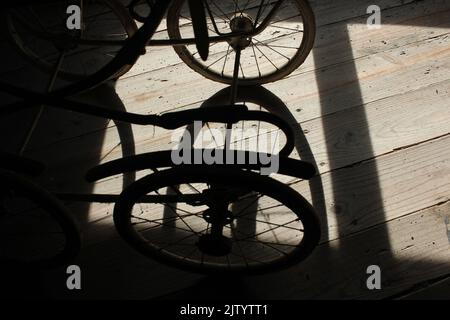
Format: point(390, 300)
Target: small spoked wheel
point(271, 55)
point(210, 219)
point(40, 32)
point(35, 228)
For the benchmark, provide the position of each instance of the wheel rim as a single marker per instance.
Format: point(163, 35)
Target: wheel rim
point(35, 229)
point(257, 235)
point(269, 56)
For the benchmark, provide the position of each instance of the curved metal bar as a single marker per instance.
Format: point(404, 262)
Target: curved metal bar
point(163, 159)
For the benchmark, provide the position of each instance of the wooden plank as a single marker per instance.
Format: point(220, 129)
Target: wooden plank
point(373, 75)
point(408, 180)
point(329, 11)
point(418, 249)
point(430, 290)
point(415, 15)
point(393, 123)
point(390, 123)
point(113, 270)
point(327, 14)
point(417, 176)
point(361, 229)
point(376, 73)
point(75, 177)
point(363, 42)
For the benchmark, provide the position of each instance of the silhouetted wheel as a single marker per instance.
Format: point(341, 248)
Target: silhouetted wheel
point(267, 57)
point(40, 33)
point(217, 219)
point(35, 228)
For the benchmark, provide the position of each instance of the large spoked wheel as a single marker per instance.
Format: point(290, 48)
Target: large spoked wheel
point(35, 228)
point(267, 57)
point(217, 220)
point(40, 33)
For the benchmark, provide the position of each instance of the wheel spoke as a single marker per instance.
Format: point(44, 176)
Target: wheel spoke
point(256, 59)
point(182, 239)
point(143, 220)
point(191, 24)
point(218, 60)
point(266, 57)
point(270, 47)
point(175, 212)
point(225, 62)
point(212, 134)
point(157, 225)
point(269, 245)
point(237, 6)
point(242, 70)
point(221, 11)
point(272, 224)
point(233, 232)
point(285, 28)
point(266, 231)
point(240, 213)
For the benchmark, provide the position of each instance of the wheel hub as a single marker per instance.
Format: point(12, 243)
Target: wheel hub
point(215, 243)
point(221, 218)
point(241, 23)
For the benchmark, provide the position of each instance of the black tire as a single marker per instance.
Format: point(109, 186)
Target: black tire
point(56, 214)
point(73, 77)
point(302, 210)
point(173, 28)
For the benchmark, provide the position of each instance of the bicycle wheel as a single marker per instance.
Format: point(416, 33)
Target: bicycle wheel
point(39, 32)
point(35, 228)
point(217, 220)
point(267, 57)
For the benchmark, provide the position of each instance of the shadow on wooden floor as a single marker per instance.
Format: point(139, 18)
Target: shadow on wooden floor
point(60, 126)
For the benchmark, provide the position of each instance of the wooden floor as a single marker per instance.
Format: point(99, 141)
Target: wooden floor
point(372, 111)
